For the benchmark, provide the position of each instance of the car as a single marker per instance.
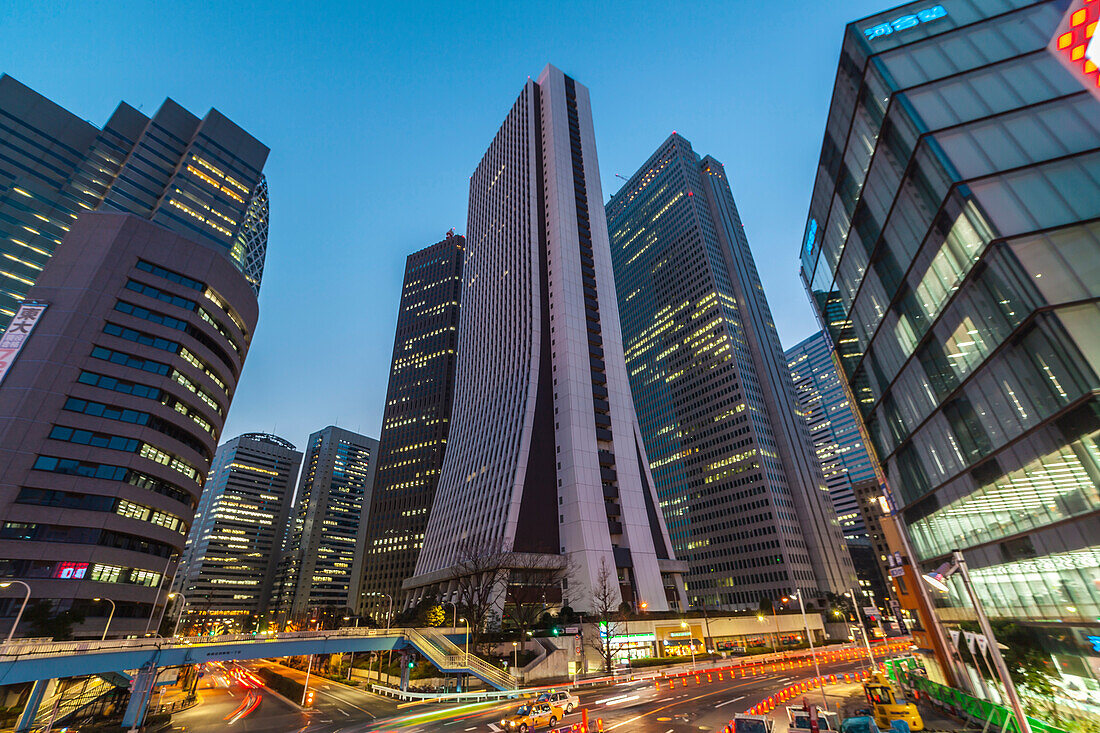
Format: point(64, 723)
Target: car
point(745, 723)
point(563, 699)
point(530, 717)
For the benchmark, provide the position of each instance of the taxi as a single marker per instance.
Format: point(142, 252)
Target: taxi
point(531, 717)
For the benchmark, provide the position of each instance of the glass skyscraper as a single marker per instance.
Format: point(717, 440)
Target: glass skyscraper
point(197, 177)
point(415, 421)
point(845, 462)
point(952, 250)
point(228, 567)
point(325, 537)
point(738, 481)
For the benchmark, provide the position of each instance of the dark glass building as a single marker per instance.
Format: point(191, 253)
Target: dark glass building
point(110, 416)
point(227, 574)
point(952, 250)
point(197, 177)
point(415, 421)
point(325, 543)
point(739, 484)
point(844, 460)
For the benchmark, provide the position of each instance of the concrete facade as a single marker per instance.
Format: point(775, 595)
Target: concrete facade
point(110, 416)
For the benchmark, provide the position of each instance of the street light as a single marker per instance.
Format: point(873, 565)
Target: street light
point(775, 639)
point(97, 600)
point(515, 654)
point(937, 581)
point(467, 623)
point(179, 616)
point(809, 637)
point(863, 629)
point(691, 644)
point(19, 615)
point(454, 617)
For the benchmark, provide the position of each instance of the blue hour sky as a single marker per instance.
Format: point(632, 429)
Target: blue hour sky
point(377, 113)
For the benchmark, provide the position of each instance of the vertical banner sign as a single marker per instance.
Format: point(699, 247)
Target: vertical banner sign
point(19, 330)
point(983, 644)
point(1076, 44)
point(971, 639)
point(954, 637)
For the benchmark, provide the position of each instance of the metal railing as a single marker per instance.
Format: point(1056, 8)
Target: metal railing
point(447, 656)
point(983, 712)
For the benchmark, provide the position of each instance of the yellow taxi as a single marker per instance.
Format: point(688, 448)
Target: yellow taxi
point(532, 716)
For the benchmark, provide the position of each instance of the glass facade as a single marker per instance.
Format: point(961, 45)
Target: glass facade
point(415, 422)
point(227, 571)
point(746, 504)
point(323, 541)
point(952, 252)
point(197, 177)
point(845, 462)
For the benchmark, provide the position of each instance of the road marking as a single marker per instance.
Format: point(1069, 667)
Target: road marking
point(727, 702)
point(343, 712)
point(494, 727)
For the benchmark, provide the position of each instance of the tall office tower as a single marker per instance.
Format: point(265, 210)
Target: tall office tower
point(415, 421)
point(544, 456)
point(738, 482)
point(844, 460)
point(110, 414)
point(952, 250)
point(200, 178)
point(326, 546)
point(228, 569)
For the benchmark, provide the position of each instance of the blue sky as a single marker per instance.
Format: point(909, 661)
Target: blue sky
point(377, 113)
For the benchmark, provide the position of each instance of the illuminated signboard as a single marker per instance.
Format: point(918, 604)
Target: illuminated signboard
point(70, 570)
point(19, 330)
point(1075, 43)
point(906, 22)
point(1095, 641)
point(811, 235)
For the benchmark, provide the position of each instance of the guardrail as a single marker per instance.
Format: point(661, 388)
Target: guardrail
point(960, 704)
point(480, 696)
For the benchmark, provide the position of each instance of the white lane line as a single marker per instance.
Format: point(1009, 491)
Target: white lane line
point(613, 727)
point(472, 728)
point(343, 712)
point(727, 702)
point(494, 727)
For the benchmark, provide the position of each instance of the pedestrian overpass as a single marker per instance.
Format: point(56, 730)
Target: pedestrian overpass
point(37, 661)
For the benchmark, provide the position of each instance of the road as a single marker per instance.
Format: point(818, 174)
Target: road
point(639, 707)
point(694, 702)
point(226, 704)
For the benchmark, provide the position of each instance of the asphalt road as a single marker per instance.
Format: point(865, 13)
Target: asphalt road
point(703, 702)
point(639, 707)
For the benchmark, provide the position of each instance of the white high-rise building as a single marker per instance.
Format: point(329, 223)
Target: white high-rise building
point(544, 457)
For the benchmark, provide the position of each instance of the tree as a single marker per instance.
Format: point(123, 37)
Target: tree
point(766, 605)
point(434, 616)
point(479, 575)
point(609, 614)
point(45, 621)
point(534, 584)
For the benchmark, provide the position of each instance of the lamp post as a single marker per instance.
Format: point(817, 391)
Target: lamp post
point(862, 628)
point(454, 609)
point(351, 655)
point(515, 654)
point(691, 644)
point(18, 616)
point(810, 638)
point(467, 623)
point(179, 616)
point(97, 600)
point(775, 620)
point(775, 639)
point(936, 580)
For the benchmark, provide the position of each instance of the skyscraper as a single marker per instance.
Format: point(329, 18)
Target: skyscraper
point(200, 178)
point(544, 456)
point(739, 484)
point(952, 251)
point(110, 414)
point(326, 545)
point(228, 567)
point(415, 422)
point(844, 460)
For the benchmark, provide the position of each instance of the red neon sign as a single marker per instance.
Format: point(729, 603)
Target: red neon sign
point(1076, 44)
point(70, 570)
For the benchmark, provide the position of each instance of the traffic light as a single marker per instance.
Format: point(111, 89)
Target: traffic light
point(411, 664)
point(309, 699)
point(556, 630)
